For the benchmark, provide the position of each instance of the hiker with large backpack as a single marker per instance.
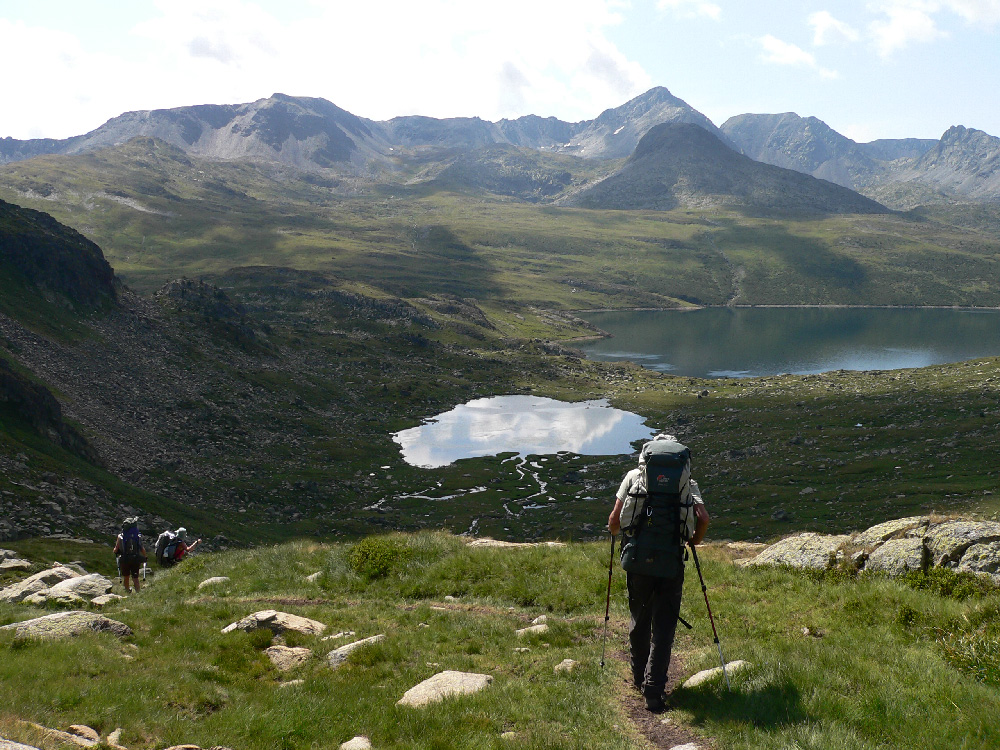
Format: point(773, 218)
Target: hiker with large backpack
point(131, 553)
point(660, 510)
point(172, 547)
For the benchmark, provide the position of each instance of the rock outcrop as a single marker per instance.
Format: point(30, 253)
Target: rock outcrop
point(21, 590)
point(896, 547)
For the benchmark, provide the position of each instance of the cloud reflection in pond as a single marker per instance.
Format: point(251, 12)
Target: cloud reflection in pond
point(521, 424)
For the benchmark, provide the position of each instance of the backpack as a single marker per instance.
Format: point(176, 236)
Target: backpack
point(131, 546)
point(166, 546)
point(660, 514)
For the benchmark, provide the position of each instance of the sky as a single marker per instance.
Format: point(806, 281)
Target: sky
point(868, 68)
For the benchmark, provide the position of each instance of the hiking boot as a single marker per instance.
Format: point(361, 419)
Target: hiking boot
point(656, 703)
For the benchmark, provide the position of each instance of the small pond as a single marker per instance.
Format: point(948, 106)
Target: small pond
point(526, 425)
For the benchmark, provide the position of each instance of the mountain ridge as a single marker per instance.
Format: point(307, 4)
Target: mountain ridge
point(683, 165)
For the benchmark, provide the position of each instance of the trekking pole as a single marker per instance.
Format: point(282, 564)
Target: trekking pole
point(704, 591)
point(607, 604)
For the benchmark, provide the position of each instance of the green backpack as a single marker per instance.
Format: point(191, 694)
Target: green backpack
point(662, 501)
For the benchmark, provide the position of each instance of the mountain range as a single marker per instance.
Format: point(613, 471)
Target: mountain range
point(314, 134)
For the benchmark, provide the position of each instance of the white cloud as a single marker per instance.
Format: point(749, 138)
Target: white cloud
point(441, 58)
point(784, 53)
point(826, 28)
point(906, 22)
point(691, 8)
point(976, 11)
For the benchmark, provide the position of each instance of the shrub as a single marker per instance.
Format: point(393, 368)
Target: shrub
point(378, 556)
point(948, 583)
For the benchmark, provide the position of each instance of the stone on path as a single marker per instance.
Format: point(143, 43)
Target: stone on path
point(278, 622)
point(443, 685)
point(709, 674)
point(63, 624)
point(339, 656)
point(687, 746)
point(285, 658)
point(356, 743)
point(534, 629)
point(212, 581)
point(897, 556)
point(807, 550)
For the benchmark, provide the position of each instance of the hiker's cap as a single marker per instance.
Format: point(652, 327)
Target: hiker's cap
point(181, 532)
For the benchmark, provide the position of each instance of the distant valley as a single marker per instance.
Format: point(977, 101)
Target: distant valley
point(218, 315)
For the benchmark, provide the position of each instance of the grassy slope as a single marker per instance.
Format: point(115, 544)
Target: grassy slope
point(158, 214)
point(893, 667)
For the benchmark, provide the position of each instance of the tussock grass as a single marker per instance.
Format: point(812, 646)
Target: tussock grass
point(885, 665)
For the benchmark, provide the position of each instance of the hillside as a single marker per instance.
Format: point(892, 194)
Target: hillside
point(835, 661)
point(683, 165)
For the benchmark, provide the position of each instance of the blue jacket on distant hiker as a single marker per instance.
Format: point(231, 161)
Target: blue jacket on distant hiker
point(660, 510)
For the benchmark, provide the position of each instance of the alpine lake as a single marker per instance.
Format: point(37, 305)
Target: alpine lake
point(523, 467)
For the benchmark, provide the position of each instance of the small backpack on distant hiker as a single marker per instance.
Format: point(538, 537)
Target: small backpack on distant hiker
point(166, 548)
point(131, 545)
point(658, 515)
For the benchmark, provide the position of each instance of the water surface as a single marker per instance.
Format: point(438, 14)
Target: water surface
point(526, 425)
point(746, 342)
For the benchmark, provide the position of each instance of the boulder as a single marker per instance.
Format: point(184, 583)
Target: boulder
point(285, 658)
point(947, 542)
point(339, 656)
point(313, 577)
point(710, 674)
point(443, 685)
point(12, 563)
point(356, 743)
point(10, 745)
point(898, 556)
point(566, 665)
point(982, 558)
point(33, 584)
point(63, 624)
point(912, 526)
point(807, 550)
point(82, 730)
point(212, 581)
point(104, 600)
point(278, 622)
point(7, 554)
point(534, 629)
point(86, 587)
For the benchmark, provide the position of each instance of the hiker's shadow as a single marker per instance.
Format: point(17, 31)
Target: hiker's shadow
point(766, 707)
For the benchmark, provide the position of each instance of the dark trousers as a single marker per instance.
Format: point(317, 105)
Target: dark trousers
point(654, 604)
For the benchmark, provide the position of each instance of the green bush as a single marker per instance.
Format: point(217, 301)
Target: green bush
point(948, 583)
point(378, 556)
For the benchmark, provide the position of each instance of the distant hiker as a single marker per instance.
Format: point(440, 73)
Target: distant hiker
point(172, 546)
point(660, 509)
point(131, 553)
